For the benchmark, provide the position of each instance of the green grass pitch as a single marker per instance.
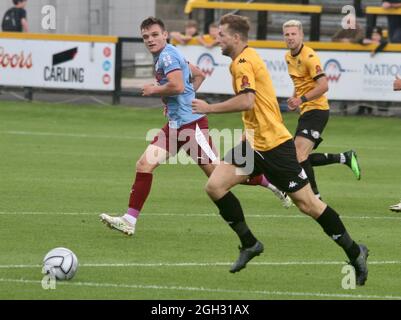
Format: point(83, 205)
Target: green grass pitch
point(63, 165)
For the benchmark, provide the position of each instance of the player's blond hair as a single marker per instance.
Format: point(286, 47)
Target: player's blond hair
point(293, 23)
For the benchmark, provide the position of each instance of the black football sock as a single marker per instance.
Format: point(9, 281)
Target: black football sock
point(332, 225)
point(323, 159)
point(306, 165)
point(231, 211)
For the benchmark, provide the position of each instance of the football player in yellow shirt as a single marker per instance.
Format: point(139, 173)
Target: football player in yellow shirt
point(268, 148)
point(310, 86)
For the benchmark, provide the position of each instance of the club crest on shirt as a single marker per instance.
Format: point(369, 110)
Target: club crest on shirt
point(167, 60)
point(245, 83)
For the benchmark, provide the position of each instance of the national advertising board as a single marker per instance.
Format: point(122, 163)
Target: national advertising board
point(352, 75)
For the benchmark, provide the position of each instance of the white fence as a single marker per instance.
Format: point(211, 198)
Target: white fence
point(82, 65)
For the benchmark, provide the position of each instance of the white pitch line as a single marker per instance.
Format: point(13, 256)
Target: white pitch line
point(199, 264)
point(298, 216)
point(211, 290)
point(72, 135)
point(268, 216)
point(47, 213)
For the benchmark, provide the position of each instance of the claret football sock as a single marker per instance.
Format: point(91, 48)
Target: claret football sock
point(262, 181)
point(139, 193)
point(259, 180)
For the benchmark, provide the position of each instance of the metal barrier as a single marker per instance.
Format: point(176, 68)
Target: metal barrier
point(119, 90)
point(373, 12)
point(263, 9)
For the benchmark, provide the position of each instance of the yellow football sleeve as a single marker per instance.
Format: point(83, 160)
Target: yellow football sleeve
point(244, 77)
point(314, 67)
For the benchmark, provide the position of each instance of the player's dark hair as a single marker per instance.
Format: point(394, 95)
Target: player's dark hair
point(18, 1)
point(150, 21)
point(236, 24)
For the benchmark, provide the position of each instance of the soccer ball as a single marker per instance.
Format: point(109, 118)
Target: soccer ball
point(61, 263)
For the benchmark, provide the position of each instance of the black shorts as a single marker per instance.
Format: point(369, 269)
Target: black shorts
point(311, 125)
point(279, 165)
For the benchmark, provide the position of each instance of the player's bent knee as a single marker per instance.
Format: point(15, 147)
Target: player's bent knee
point(210, 187)
point(310, 208)
point(144, 166)
point(304, 207)
point(302, 151)
point(213, 189)
point(302, 155)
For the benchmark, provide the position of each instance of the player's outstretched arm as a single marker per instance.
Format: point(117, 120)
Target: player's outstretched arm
point(174, 86)
point(239, 103)
point(320, 89)
point(322, 86)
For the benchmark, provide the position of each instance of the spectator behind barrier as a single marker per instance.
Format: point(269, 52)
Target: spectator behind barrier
point(14, 19)
point(350, 35)
point(394, 21)
point(191, 30)
point(376, 38)
point(210, 40)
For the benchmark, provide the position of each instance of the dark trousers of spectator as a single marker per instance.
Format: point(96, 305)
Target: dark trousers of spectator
point(394, 28)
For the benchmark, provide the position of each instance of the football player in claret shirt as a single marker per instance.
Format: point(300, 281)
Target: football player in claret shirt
point(268, 149)
point(310, 86)
point(177, 82)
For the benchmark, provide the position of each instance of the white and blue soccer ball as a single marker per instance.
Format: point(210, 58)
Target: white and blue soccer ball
point(61, 263)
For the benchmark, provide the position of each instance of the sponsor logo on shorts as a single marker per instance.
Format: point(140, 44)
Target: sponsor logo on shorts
point(315, 134)
point(292, 184)
point(303, 175)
